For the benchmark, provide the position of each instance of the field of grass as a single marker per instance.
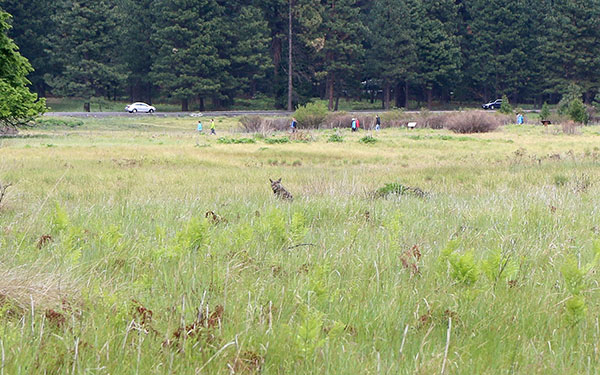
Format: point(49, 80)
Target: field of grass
point(136, 246)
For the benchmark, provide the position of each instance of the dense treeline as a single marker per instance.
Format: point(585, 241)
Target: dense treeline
point(195, 51)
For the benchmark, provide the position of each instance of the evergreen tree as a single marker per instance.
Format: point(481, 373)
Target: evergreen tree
point(438, 48)
point(137, 52)
point(250, 58)
point(393, 54)
point(86, 46)
point(343, 34)
point(31, 23)
point(18, 105)
point(573, 47)
point(188, 64)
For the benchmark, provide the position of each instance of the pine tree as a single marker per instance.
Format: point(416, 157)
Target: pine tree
point(573, 47)
point(250, 58)
point(188, 64)
point(393, 53)
point(85, 45)
point(437, 43)
point(31, 23)
point(18, 105)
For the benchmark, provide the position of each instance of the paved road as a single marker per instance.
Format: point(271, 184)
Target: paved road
point(168, 114)
point(198, 114)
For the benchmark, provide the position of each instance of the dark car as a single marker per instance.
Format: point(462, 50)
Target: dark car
point(496, 104)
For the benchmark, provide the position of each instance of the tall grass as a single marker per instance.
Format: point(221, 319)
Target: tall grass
point(142, 280)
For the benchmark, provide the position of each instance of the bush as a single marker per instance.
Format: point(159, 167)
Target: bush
point(335, 138)
point(474, 122)
point(311, 115)
point(505, 108)
point(225, 140)
point(368, 140)
point(301, 136)
point(395, 118)
point(258, 124)
point(545, 113)
point(337, 120)
point(572, 93)
point(570, 127)
point(273, 141)
point(433, 122)
point(577, 111)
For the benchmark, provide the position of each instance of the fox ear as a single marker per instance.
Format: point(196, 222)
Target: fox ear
point(279, 179)
point(271, 180)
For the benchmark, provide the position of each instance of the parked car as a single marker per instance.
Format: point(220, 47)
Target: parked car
point(496, 104)
point(140, 107)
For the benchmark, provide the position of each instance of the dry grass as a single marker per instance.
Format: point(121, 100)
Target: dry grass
point(25, 286)
point(473, 122)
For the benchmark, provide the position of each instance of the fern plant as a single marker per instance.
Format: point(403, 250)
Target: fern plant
point(498, 267)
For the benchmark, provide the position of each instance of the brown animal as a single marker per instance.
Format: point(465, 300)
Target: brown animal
point(279, 190)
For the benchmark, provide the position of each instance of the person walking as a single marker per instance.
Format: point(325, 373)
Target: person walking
point(199, 126)
point(353, 124)
point(293, 125)
point(212, 127)
point(519, 119)
point(377, 123)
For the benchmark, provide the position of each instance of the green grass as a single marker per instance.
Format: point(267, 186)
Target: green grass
point(336, 281)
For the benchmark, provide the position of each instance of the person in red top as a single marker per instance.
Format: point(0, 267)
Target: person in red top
point(357, 123)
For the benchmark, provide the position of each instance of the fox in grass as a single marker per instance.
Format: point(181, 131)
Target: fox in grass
point(279, 190)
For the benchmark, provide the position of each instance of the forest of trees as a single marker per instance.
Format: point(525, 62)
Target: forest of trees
point(192, 51)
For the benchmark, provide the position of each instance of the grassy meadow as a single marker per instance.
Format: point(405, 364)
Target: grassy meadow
point(137, 246)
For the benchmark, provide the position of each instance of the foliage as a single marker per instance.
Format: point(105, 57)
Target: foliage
point(311, 115)
point(545, 113)
point(193, 236)
point(498, 266)
point(505, 107)
point(336, 138)
point(473, 122)
point(18, 105)
point(275, 140)
point(368, 140)
point(577, 111)
point(228, 140)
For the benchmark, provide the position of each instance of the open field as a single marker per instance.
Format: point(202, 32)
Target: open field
point(109, 265)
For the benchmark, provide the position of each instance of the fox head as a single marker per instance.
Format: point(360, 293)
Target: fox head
point(275, 185)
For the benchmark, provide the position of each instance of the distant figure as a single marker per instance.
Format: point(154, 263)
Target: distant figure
point(353, 124)
point(357, 124)
point(199, 126)
point(377, 123)
point(519, 119)
point(212, 127)
point(293, 125)
point(279, 190)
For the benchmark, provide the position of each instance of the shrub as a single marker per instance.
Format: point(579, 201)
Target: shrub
point(577, 111)
point(272, 141)
point(433, 122)
point(252, 124)
point(335, 138)
point(570, 127)
point(545, 113)
point(396, 188)
point(572, 93)
point(474, 122)
point(258, 124)
point(301, 136)
point(505, 108)
point(395, 118)
point(337, 120)
point(368, 140)
point(311, 115)
point(225, 140)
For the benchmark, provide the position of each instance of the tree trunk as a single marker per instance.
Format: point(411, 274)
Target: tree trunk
point(406, 95)
point(397, 96)
point(386, 95)
point(290, 83)
point(429, 97)
point(337, 101)
point(330, 89)
point(201, 102)
point(184, 105)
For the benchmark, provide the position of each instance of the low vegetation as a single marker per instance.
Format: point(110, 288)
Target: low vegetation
point(127, 248)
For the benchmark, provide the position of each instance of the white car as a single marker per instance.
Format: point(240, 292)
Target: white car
point(140, 107)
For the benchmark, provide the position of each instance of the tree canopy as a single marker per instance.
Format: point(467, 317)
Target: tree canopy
point(192, 51)
point(18, 105)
